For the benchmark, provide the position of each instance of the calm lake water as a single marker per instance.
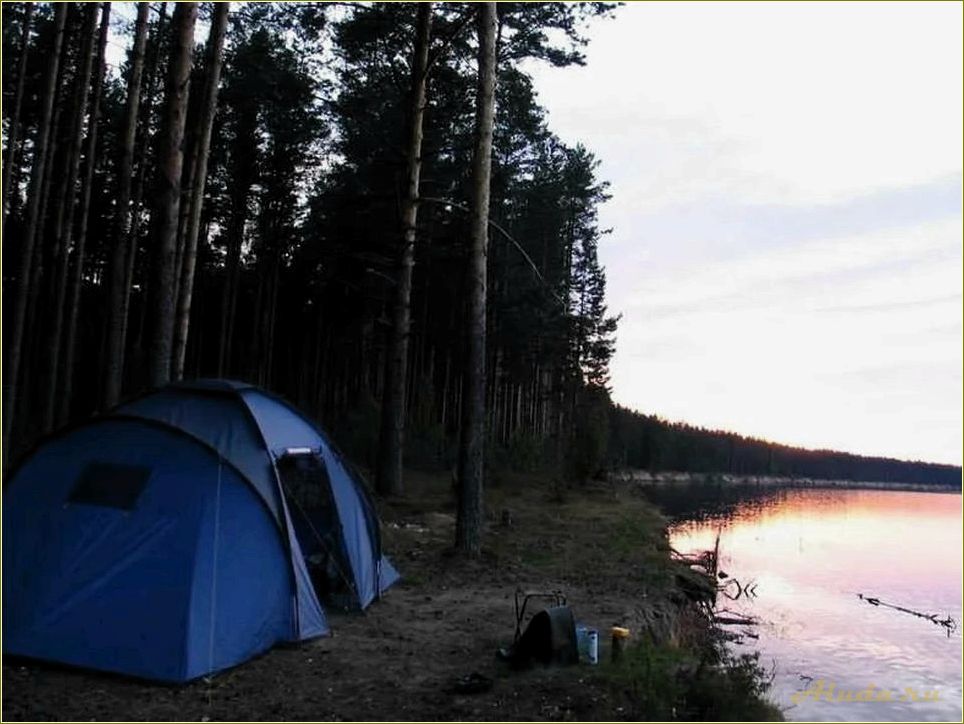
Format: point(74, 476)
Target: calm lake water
point(809, 554)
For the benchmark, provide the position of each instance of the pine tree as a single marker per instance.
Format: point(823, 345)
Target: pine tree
point(468, 535)
point(66, 375)
point(13, 135)
point(210, 100)
point(168, 191)
point(64, 217)
point(389, 480)
point(25, 267)
point(122, 244)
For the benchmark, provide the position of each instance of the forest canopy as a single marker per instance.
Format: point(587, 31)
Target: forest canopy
point(271, 247)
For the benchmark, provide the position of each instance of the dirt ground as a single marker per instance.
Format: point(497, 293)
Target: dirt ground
point(400, 659)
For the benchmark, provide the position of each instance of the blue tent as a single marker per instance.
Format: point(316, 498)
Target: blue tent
point(182, 533)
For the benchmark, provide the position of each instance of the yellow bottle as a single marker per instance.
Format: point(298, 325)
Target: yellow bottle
point(620, 640)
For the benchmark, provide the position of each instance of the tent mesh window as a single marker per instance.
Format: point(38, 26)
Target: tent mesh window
point(304, 478)
point(110, 485)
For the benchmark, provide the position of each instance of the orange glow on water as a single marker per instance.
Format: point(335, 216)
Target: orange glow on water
point(902, 535)
point(810, 552)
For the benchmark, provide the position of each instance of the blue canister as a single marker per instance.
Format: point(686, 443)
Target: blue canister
point(587, 642)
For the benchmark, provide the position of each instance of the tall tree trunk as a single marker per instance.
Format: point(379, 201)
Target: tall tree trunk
point(148, 145)
point(189, 171)
point(73, 299)
point(468, 529)
point(253, 350)
point(123, 221)
point(210, 101)
point(391, 439)
point(168, 192)
point(26, 386)
point(24, 271)
point(63, 226)
point(229, 301)
point(13, 136)
point(271, 318)
point(31, 332)
point(242, 180)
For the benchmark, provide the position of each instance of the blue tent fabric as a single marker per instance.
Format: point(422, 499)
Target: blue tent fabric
point(221, 421)
point(373, 571)
point(310, 618)
point(157, 540)
point(282, 430)
point(210, 411)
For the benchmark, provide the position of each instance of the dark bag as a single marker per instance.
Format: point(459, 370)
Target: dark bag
point(550, 638)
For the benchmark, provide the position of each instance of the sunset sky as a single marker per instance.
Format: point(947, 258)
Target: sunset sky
point(787, 228)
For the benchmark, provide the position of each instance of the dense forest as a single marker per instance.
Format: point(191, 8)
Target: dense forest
point(646, 442)
point(360, 207)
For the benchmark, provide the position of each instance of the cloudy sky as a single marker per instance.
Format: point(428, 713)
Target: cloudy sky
point(787, 228)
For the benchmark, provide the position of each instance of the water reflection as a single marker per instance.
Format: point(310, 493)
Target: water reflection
point(709, 499)
point(810, 553)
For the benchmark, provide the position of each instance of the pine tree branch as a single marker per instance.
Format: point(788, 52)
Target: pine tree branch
point(507, 235)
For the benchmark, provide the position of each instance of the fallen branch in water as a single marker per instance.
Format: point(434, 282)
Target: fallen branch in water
point(948, 623)
point(735, 621)
point(704, 559)
point(707, 560)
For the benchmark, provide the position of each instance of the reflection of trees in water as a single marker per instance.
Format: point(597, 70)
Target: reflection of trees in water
point(709, 500)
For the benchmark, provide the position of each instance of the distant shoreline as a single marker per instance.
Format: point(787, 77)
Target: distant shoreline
point(646, 478)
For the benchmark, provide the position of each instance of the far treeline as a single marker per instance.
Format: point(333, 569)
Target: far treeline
point(646, 442)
